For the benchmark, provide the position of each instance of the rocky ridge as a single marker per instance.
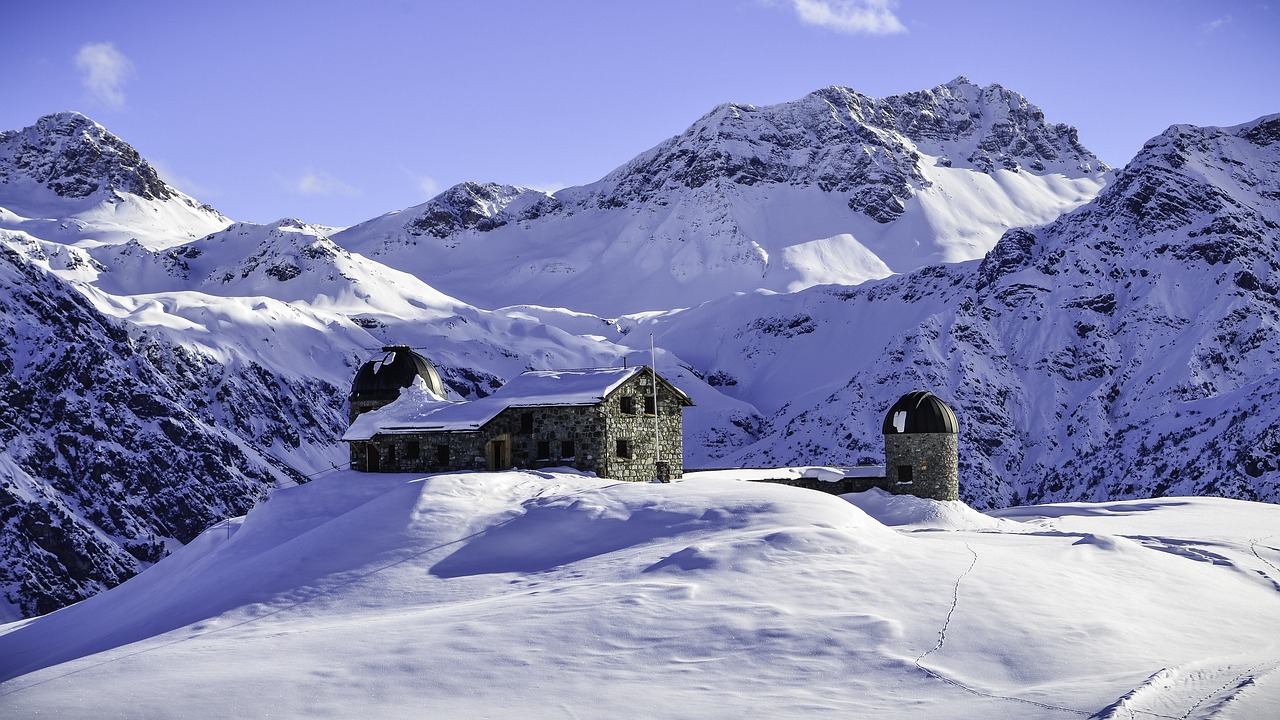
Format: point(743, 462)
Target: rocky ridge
point(118, 444)
point(74, 157)
point(67, 179)
point(1130, 348)
point(833, 187)
point(841, 141)
point(1126, 349)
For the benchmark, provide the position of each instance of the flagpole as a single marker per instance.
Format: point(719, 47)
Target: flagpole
point(657, 445)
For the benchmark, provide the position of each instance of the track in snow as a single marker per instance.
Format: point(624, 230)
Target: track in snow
point(1193, 691)
point(942, 639)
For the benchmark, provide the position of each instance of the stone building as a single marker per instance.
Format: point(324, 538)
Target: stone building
point(608, 421)
point(921, 448)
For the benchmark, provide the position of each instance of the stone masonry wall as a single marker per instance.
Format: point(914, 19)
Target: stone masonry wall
point(537, 438)
point(397, 452)
point(637, 429)
point(934, 461)
point(582, 426)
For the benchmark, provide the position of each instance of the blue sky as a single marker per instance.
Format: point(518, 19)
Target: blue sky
point(339, 112)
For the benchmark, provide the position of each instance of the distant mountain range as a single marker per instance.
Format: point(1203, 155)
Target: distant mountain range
point(835, 187)
point(1101, 334)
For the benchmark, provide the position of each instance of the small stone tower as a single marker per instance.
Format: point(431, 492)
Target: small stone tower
point(921, 449)
point(380, 380)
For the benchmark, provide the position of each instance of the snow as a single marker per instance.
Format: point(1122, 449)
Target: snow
point(646, 238)
point(553, 594)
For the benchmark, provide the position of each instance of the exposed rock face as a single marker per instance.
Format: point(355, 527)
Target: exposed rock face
point(112, 446)
point(1131, 348)
point(75, 158)
point(780, 197)
point(476, 206)
point(1127, 349)
point(842, 141)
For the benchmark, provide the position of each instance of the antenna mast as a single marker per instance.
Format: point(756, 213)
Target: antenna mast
point(657, 443)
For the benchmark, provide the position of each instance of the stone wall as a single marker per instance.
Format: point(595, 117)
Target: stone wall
point(421, 453)
point(627, 420)
point(538, 436)
point(839, 487)
point(934, 462)
point(582, 437)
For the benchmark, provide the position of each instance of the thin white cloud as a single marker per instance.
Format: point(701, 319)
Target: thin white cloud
point(547, 187)
point(855, 17)
point(180, 182)
point(320, 183)
point(104, 71)
point(425, 184)
point(1216, 25)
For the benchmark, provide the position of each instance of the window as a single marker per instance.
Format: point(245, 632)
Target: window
point(544, 450)
point(623, 448)
point(413, 450)
point(391, 457)
point(628, 403)
point(904, 473)
point(566, 449)
point(649, 404)
point(526, 422)
point(442, 454)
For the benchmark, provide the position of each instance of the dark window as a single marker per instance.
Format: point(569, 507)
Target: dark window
point(413, 449)
point(904, 473)
point(391, 458)
point(566, 449)
point(628, 403)
point(442, 454)
point(648, 404)
point(526, 422)
point(544, 450)
point(624, 448)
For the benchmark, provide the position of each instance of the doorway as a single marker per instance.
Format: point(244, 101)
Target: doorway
point(498, 454)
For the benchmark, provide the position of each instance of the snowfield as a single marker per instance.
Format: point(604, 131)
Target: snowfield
point(551, 594)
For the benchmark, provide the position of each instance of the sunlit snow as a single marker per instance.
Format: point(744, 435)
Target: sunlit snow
point(557, 595)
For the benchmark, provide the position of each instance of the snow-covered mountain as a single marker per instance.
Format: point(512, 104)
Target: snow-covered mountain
point(1122, 350)
point(1130, 348)
point(551, 595)
point(68, 180)
point(835, 187)
point(118, 443)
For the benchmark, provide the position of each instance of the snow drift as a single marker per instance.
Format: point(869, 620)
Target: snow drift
point(552, 594)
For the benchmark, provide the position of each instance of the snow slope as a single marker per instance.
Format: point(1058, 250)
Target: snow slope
point(835, 187)
point(1123, 351)
point(1130, 348)
point(553, 595)
point(68, 180)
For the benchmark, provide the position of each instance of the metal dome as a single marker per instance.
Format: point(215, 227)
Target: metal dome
point(920, 411)
point(382, 378)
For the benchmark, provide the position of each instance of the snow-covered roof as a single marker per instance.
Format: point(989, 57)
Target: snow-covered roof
point(419, 410)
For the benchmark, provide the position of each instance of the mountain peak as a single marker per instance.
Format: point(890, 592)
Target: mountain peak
point(843, 141)
point(74, 157)
point(478, 206)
